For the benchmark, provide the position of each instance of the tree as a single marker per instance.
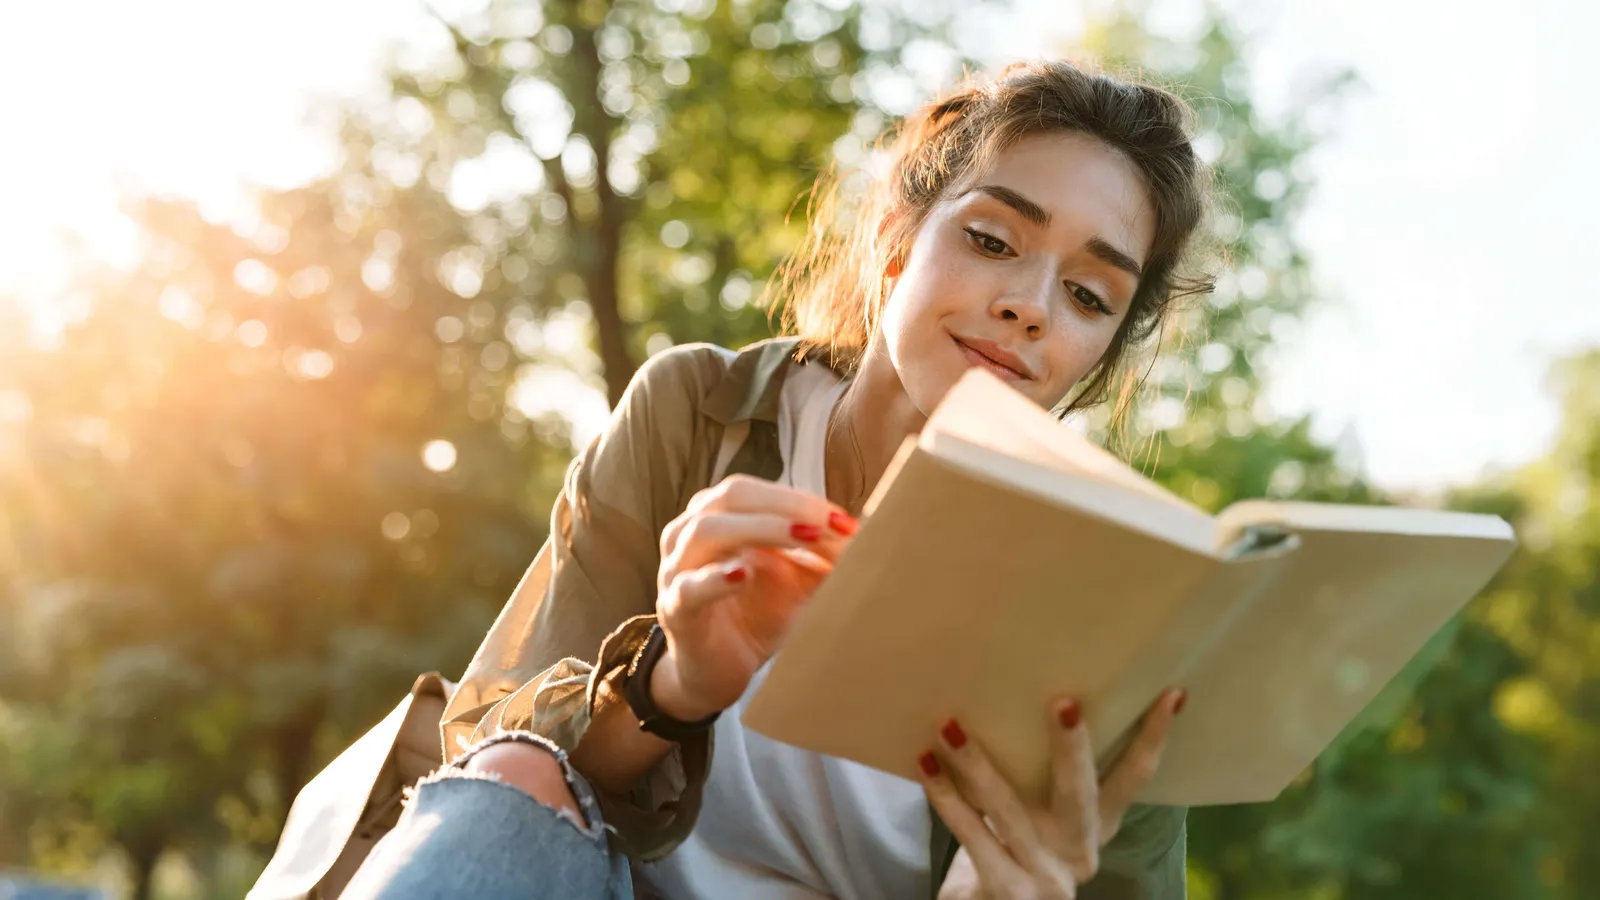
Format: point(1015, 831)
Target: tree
point(258, 496)
point(660, 148)
point(264, 479)
point(1429, 794)
point(1200, 420)
point(1545, 608)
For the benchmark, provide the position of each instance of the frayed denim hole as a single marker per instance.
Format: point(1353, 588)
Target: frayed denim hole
point(596, 833)
point(588, 804)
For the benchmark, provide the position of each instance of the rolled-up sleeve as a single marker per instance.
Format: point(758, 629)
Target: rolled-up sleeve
point(586, 604)
point(1146, 859)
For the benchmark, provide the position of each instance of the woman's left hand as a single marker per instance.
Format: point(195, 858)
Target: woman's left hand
point(1010, 849)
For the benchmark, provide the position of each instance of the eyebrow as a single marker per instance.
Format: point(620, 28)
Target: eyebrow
point(1028, 209)
point(1098, 247)
point(1102, 249)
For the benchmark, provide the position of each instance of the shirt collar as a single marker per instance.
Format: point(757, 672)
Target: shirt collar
point(753, 385)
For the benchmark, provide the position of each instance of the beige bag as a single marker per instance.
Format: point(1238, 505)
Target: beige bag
point(340, 814)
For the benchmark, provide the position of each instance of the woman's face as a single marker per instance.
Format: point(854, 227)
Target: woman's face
point(1027, 271)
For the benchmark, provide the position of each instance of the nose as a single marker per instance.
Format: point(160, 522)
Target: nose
point(1026, 304)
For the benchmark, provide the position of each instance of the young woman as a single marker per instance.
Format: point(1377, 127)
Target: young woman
point(1033, 225)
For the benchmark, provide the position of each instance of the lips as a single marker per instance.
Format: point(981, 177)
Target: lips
point(993, 357)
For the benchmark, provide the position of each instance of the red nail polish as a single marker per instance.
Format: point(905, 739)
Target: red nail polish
point(805, 531)
point(1177, 705)
point(1070, 714)
point(953, 735)
point(843, 524)
point(929, 764)
point(736, 574)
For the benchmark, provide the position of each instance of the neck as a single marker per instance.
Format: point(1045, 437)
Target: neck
point(873, 419)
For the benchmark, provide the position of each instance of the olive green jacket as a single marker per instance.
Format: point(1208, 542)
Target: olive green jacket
point(586, 603)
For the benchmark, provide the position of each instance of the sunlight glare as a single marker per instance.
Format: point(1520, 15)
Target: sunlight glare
point(439, 455)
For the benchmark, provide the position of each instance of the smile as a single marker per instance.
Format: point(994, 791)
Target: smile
point(991, 356)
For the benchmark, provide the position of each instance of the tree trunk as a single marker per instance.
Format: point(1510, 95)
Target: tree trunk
point(291, 745)
point(614, 354)
point(602, 264)
point(144, 861)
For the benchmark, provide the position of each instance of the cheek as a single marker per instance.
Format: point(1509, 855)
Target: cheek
point(914, 331)
point(1074, 351)
point(910, 325)
point(915, 302)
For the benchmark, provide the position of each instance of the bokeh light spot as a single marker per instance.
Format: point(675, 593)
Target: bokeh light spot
point(252, 332)
point(396, 526)
point(439, 456)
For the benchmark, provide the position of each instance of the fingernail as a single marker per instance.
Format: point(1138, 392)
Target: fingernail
point(953, 735)
point(736, 574)
point(845, 525)
point(805, 531)
point(1177, 705)
point(929, 764)
point(1070, 714)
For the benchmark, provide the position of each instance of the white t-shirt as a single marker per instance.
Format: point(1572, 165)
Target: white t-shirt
point(778, 822)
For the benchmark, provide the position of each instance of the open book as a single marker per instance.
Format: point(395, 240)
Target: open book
point(1006, 561)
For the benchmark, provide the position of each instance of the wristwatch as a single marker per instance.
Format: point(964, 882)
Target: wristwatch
point(636, 690)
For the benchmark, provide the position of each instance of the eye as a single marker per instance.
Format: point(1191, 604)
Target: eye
point(988, 243)
point(1088, 299)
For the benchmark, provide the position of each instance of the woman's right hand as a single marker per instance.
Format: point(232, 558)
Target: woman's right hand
point(735, 567)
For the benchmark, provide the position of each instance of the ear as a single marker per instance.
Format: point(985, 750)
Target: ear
point(896, 263)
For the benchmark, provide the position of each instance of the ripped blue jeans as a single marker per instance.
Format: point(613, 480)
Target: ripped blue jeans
point(466, 835)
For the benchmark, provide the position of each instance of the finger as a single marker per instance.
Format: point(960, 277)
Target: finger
point(746, 494)
point(1074, 791)
point(802, 568)
point(804, 562)
point(670, 535)
point(697, 588)
point(1138, 763)
point(986, 789)
point(961, 880)
point(783, 586)
point(710, 536)
point(995, 867)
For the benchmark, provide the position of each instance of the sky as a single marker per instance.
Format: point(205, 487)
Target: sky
point(1453, 219)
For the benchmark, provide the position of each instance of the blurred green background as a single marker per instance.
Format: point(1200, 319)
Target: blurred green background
point(270, 473)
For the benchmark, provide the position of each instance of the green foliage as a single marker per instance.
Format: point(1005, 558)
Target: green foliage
point(1201, 423)
point(660, 149)
point(280, 468)
point(1432, 794)
point(1545, 607)
point(229, 553)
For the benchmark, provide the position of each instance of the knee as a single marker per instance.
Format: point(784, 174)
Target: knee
point(531, 769)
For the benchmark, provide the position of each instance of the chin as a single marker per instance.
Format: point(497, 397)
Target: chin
point(927, 369)
point(927, 388)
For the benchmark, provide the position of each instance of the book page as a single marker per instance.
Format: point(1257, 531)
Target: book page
point(1190, 636)
point(1183, 525)
point(981, 409)
point(1343, 613)
point(1398, 520)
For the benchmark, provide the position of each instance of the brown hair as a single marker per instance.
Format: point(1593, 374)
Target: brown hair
point(832, 288)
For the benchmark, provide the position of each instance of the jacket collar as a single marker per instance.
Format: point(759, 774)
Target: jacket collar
point(753, 385)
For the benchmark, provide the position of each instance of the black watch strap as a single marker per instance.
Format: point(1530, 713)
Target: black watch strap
point(636, 691)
